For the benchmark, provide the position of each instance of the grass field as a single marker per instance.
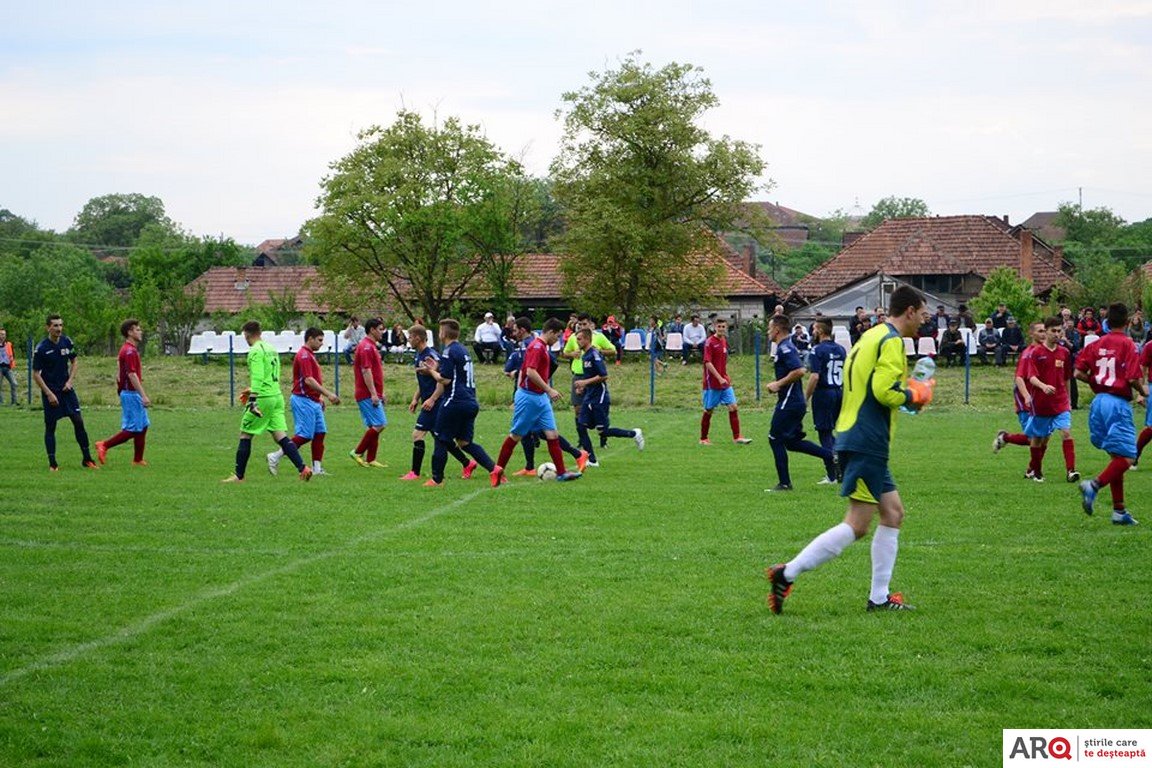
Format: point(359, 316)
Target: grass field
point(154, 617)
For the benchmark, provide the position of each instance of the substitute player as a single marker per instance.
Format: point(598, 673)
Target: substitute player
point(264, 406)
point(456, 421)
point(1111, 367)
point(54, 370)
point(717, 386)
point(593, 384)
point(426, 404)
point(369, 393)
point(1047, 371)
point(532, 409)
point(134, 401)
point(787, 430)
point(307, 407)
point(825, 387)
point(876, 385)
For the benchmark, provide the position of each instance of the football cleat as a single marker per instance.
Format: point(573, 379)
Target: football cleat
point(496, 476)
point(306, 474)
point(376, 464)
point(410, 476)
point(140, 463)
point(1034, 477)
point(998, 441)
point(357, 458)
point(318, 471)
point(582, 460)
point(741, 440)
point(102, 451)
point(569, 476)
point(232, 479)
point(1123, 517)
point(524, 473)
point(1088, 490)
point(89, 464)
point(274, 462)
point(778, 488)
point(826, 481)
point(781, 587)
point(639, 438)
point(1073, 476)
point(705, 441)
point(592, 463)
point(53, 468)
point(433, 484)
point(895, 602)
point(469, 468)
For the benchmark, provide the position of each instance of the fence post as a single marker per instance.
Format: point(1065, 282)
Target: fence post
point(756, 354)
point(651, 372)
point(967, 373)
point(231, 374)
point(336, 357)
point(28, 370)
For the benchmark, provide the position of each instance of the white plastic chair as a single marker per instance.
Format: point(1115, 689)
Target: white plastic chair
point(842, 337)
point(198, 344)
point(633, 342)
point(925, 346)
point(909, 346)
point(1089, 338)
point(674, 342)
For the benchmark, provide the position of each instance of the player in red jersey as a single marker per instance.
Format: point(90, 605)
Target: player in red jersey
point(1146, 433)
point(1021, 397)
point(134, 401)
point(1047, 372)
point(1111, 367)
point(307, 407)
point(369, 376)
point(717, 386)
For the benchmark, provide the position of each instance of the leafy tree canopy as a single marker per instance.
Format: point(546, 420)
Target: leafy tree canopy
point(895, 208)
point(117, 221)
point(1005, 286)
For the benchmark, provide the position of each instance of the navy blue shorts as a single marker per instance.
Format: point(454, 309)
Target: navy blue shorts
point(594, 414)
point(866, 476)
point(426, 420)
point(787, 424)
point(826, 408)
point(457, 422)
point(67, 406)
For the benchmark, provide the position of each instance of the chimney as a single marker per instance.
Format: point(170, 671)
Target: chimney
point(1005, 217)
point(750, 259)
point(1026, 254)
point(850, 237)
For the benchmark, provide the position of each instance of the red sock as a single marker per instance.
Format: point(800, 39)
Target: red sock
point(1145, 436)
point(318, 447)
point(364, 441)
point(1017, 439)
point(299, 441)
point(117, 439)
point(734, 422)
point(1118, 493)
point(1069, 447)
point(557, 455)
point(506, 451)
point(1037, 462)
point(1113, 473)
point(373, 445)
point(138, 445)
point(705, 424)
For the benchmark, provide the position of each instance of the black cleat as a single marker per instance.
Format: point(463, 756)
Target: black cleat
point(778, 487)
point(895, 602)
point(781, 587)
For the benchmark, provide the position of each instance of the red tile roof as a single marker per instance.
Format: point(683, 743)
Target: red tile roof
point(230, 289)
point(940, 245)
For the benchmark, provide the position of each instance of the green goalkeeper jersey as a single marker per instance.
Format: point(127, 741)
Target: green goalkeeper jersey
point(264, 368)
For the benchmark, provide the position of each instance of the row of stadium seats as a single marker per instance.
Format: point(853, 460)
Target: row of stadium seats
point(285, 342)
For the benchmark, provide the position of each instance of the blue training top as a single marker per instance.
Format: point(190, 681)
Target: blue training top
point(53, 362)
point(456, 364)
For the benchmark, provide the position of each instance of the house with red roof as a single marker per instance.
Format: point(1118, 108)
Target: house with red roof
point(945, 257)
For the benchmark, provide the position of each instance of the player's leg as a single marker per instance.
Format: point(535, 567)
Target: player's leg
point(243, 453)
point(81, 434)
point(439, 460)
point(525, 415)
point(280, 437)
point(50, 420)
point(734, 418)
point(464, 440)
point(706, 417)
point(796, 443)
point(418, 449)
point(139, 439)
point(885, 546)
point(317, 453)
point(528, 446)
point(778, 434)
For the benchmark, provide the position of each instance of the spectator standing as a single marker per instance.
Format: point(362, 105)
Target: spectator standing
point(965, 318)
point(7, 363)
point(1000, 316)
point(614, 332)
point(487, 340)
point(1088, 323)
point(856, 324)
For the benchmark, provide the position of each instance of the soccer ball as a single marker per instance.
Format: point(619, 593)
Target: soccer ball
point(546, 471)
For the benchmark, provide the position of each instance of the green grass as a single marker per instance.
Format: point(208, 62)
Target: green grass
point(154, 617)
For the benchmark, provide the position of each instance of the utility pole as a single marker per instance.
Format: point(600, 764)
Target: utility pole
point(1080, 191)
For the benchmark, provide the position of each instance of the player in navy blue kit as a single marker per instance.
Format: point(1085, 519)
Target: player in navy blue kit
point(787, 430)
point(53, 369)
point(825, 388)
point(456, 420)
point(593, 383)
point(426, 404)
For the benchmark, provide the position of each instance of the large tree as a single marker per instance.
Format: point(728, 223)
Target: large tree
point(417, 209)
point(895, 208)
point(117, 221)
point(644, 185)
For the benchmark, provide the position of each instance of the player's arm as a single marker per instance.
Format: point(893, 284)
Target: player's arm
point(369, 383)
point(71, 373)
point(316, 386)
point(810, 385)
point(132, 377)
point(1022, 388)
point(36, 377)
point(604, 344)
point(712, 370)
point(571, 349)
point(534, 376)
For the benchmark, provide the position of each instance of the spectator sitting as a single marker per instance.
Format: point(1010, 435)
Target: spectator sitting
point(694, 337)
point(1011, 341)
point(964, 316)
point(927, 329)
point(1088, 323)
point(988, 342)
point(801, 339)
point(352, 336)
point(487, 341)
point(1000, 316)
point(677, 324)
point(952, 344)
point(396, 340)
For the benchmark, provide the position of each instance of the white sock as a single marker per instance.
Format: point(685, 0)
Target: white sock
point(277, 454)
point(885, 545)
point(820, 550)
point(315, 466)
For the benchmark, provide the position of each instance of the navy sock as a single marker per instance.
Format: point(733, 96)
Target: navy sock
point(243, 451)
point(50, 443)
point(482, 458)
point(456, 453)
point(616, 432)
point(293, 453)
point(82, 437)
point(439, 460)
point(417, 456)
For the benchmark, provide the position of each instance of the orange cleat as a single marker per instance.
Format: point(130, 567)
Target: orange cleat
point(306, 474)
point(140, 463)
point(496, 476)
point(582, 460)
point(91, 465)
point(102, 451)
point(433, 484)
point(524, 473)
point(469, 468)
point(410, 476)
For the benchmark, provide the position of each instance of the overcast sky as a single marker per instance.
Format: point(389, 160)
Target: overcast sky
point(230, 112)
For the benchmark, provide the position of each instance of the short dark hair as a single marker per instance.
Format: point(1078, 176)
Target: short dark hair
point(312, 333)
point(584, 332)
point(418, 332)
point(781, 321)
point(252, 327)
point(905, 297)
point(52, 317)
point(1054, 322)
point(551, 324)
point(583, 316)
point(824, 326)
point(127, 325)
point(373, 324)
point(1117, 315)
point(450, 328)
point(526, 323)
